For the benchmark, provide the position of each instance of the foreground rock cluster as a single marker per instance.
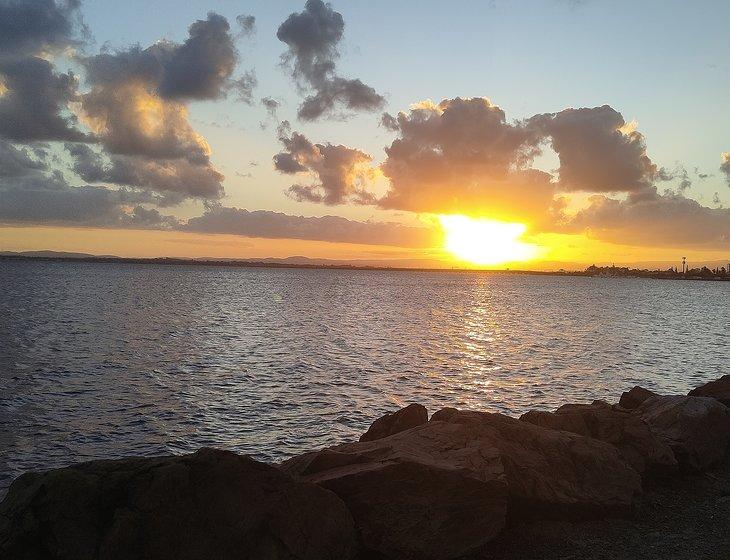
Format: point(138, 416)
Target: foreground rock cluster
point(411, 488)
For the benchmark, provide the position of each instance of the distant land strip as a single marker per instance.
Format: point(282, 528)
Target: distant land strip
point(719, 274)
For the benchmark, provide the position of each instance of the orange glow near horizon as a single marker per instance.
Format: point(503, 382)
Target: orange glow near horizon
point(481, 241)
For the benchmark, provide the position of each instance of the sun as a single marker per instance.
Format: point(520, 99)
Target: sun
point(483, 241)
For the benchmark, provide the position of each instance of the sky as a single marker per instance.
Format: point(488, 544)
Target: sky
point(564, 132)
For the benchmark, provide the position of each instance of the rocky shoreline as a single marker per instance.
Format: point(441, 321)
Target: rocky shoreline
point(648, 477)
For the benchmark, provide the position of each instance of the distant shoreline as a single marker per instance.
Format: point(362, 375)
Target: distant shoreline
point(171, 261)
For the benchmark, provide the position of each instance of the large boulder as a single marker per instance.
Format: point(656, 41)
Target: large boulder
point(432, 492)
point(718, 389)
point(552, 473)
point(696, 428)
point(632, 436)
point(211, 504)
point(633, 398)
point(409, 417)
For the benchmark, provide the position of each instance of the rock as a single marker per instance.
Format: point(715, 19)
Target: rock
point(409, 417)
point(718, 389)
point(211, 504)
point(696, 428)
point(432, 492)
point(552, 473)
point(627, 432)
point(633, 398)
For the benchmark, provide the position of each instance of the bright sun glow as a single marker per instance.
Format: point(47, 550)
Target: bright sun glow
point(485, 242)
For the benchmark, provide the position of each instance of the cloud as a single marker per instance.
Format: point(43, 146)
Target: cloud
point(313, 36)
point(725, 166)
point(276, 225)
point(271, 105)
point(462, 156)
point(244, 87)
point(247, 24)
point(340, 174)
point(177, 178)
point(31, 193)
point(202, 65)
point(39, 26)
point(598, 150)
point(137, 108)
point(654, 219)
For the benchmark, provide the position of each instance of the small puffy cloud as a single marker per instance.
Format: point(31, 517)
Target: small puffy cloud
point(598, 150)
point(244, 87)
point(725, 166)
point(276, 225)
point(340, 174)
point(654, 219)
point(313, 36)
point(247, 24)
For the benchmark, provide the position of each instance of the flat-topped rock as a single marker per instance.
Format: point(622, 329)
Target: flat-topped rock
point(552, 473)
point(431, 492)
point(631, 435)
point(211, 504)
point(408, 417)
point(696, 428)
point(718, 389)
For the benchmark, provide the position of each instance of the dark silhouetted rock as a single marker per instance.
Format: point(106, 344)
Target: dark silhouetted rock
point(211, 504)
point(409, 417)
point(431, 492)
point(633, 398)
point(696, 428)
point(718, 389)
point(629, 433)
point(552, 473)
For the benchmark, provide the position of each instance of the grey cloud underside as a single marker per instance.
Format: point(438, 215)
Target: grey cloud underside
point(247, 24)
point(655, 219)
point(177, 178)
point(33, 107)
point(28, 27)
point(30, 192)
point(312, 37)
point(276, 225)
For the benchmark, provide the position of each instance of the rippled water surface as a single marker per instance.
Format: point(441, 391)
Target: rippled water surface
point(106, 360)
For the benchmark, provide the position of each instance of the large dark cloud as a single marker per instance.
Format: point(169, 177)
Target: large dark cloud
point(276, 225)
point(313, 37)
point(34, 101)
point(29, 27)
point(598, 150)
point(340, 174)
point(33, 97)
point(137, 109)
point(654, 219)
point(462, 156)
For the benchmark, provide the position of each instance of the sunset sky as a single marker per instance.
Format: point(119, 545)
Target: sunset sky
point(526, 134)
